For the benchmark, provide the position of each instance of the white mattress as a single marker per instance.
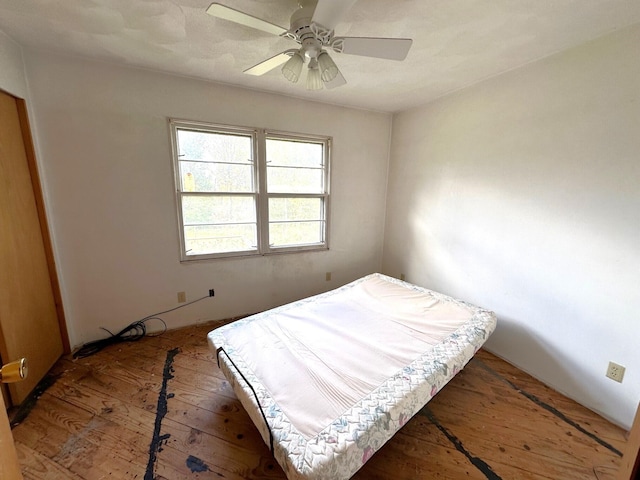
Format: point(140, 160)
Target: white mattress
point(337, 374)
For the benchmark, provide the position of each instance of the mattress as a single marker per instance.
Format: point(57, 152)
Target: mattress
point(327, 380)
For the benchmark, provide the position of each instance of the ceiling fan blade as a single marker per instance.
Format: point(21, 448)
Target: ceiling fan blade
point(221, 11)
point(328, 13)
point(389, 48)
point(337, 81)
point(271, 63)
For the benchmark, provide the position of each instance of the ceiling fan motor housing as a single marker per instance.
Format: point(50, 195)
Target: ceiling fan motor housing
point(302, 27)
point(301, 19)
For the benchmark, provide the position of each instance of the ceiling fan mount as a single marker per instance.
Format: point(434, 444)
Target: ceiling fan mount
point(312, 27)
point(301, 19)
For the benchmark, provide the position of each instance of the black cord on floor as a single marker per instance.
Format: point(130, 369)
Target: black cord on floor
point(131, 333)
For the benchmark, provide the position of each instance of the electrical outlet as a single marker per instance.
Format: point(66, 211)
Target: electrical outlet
point(182, 297)
point(327, 276)
point(402, 277)
point(615, 372)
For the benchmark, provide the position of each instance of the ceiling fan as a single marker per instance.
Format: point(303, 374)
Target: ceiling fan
point(312, 26)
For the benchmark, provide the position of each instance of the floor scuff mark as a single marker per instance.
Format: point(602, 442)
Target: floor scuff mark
point(157, 440)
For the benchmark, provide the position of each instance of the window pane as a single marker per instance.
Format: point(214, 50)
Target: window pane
point(291, 153)
point(214, 147)
point(288, 209)
point(294, 180)
point(216, 177)
point(295, 233)
point(204, 239)
point(294, 166)
point(218, 209)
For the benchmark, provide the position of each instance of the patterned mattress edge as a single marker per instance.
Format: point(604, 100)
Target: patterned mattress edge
point(347, 443)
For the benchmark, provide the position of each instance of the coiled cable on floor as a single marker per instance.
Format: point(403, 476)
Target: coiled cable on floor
point(131, 333)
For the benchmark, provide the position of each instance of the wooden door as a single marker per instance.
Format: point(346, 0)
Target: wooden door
point(9, 466)
point(29, 317)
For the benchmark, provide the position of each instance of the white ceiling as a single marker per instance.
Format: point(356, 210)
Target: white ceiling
point(455, 43)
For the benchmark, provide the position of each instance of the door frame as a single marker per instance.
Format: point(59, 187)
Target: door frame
point(9, 463)
point(27, 139)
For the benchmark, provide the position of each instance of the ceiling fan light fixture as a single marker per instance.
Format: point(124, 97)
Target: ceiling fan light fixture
point(328, 68)
point(314, 80)
point(292, 69)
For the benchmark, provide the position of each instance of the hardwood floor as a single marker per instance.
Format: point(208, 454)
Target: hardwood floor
point(159, 408)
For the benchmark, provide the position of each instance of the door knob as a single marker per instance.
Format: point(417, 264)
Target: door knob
point(14, 371)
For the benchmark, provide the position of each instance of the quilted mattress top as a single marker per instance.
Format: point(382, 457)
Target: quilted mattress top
point(319, 357)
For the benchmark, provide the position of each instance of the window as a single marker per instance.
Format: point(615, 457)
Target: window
point(244, 191)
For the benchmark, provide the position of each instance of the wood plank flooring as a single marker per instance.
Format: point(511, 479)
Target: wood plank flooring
point(160, 409)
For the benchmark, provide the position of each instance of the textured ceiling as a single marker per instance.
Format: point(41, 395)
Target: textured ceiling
point(455, 43)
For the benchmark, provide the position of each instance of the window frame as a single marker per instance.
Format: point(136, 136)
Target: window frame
point(261, 195)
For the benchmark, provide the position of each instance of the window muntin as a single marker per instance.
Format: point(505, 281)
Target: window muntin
point(225, 209)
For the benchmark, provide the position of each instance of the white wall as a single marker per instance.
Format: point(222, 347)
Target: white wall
point(522, 194)
point(12, 76)
point(104, 144)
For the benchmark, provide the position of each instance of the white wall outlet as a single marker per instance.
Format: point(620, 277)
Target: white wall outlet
point(402, 277)
point(327, 276)
point(182, 297)
point(615, 372)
